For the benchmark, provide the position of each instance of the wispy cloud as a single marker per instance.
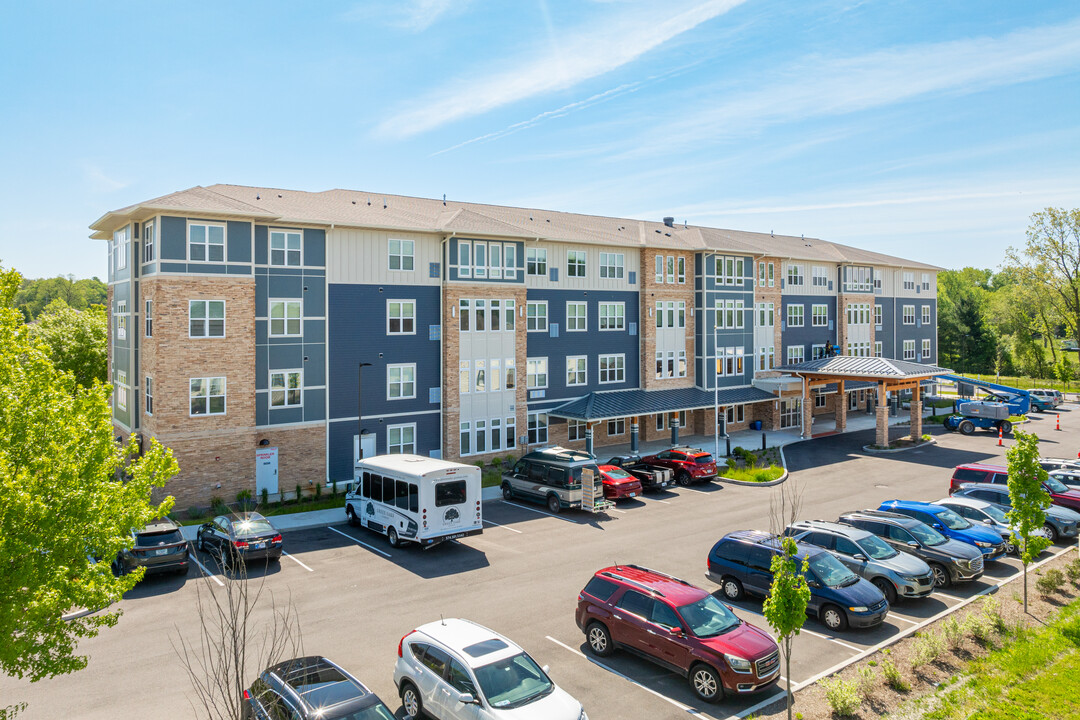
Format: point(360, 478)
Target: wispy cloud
point(820, 87)
point(580, 55)
point(412, 15)
point(100, 182)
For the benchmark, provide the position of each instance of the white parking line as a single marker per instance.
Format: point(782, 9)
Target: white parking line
point(504, 527)
point(830, 638)
point(580, 654)
point(369, 547)
point(938, 593)
point(666, 502)
point(621, 512)
point(296, 561)
point(894, 616)
point(694, 490)
point(209, 574)
point(514, 504)
point(754, 708)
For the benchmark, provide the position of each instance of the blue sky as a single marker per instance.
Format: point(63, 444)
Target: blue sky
point(927, 130)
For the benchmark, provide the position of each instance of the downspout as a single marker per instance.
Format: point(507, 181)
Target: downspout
point(444, 269)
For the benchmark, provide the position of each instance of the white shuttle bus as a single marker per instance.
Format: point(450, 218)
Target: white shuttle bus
point(410, 498)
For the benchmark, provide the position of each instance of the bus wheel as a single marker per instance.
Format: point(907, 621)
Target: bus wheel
point(392, 538)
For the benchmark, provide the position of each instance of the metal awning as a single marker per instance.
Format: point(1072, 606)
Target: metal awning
point(863, 368)
point(599, 406)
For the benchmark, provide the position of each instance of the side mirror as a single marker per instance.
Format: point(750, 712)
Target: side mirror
point(813, 583)
point(676, 631)
point(912, 544)
point(937, 526)
point(860, 557)
point(468, 699)
point(545, 668)
point(349, 488)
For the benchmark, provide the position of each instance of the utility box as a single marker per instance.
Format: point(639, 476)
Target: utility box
point(988, 410)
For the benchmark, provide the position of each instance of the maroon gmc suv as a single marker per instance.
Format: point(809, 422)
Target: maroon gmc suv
point(678, 626)
point(688, 464)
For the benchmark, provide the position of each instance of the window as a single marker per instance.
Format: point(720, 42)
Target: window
point(511, 374)
point(464, 377)
point(766, 356)
point(858, 279)
point(613, 316)
point(817, 352)
point(206, 318)
point(729, 360)
point(819, 400)
point(536, 373)
point(909, 349)
point(858, 314)
point(495, 316)
point(121, 320)
point(909, 314)
point(538, 428)
point(926, 281)
point(821, 315)
point(480, 375)
point(671, 314)
point(736, 414)
point(909, 281)
point(820, 277)
point(576, 320)
point(511, 433)
point(495, 261)
point(401, 381)
point(858, 349)
point(681, 270)
point(575, 263)
point(795, 354)
point(536, 261)
point(148, 242)
point(611, 265)
point(659, 421)
point(284, 318)
point(877, 316)
point(659, 268)
point(616, 426)
point(730, 270)
point(285, 247)
point(400, 254)
point(495, 426)
point(794, 316)
point(575, 429)
point(670, 269)
point(508, 315)
point(612, 368)
point(536, 316)
point(401, 317)
point(464, 258)
point(730, 314)
point(286, 389)
point(926, 348)
point(207, 396)
point(149, 318)
point(148, 396)
point(122, 239)
point(925, 314)
point(401, 439)
point(877, 349)
point(766, 315)
point(206, 242)
point(761, 273)
point(576, 370)
point(510, 261)
point(121, 390)
point(772, 279)
point(794, 275)
point(877, 280)
point(495, 375)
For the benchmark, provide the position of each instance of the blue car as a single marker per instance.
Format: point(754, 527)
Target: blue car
point(740, 563)
point(950, 524)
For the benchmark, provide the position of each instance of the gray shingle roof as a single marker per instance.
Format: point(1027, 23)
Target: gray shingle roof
point(624, 403)
point(854, 366)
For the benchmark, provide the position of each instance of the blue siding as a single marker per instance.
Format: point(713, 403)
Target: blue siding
point(708, 292)
point(340, 465)
point(807, 335)
point(239, 242)
point(591, 343)
point(314, 247)
point(172, 236)
point(261, 244)
point(917, 332)
point(888, 322)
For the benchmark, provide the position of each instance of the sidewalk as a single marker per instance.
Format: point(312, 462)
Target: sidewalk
point(292, 521)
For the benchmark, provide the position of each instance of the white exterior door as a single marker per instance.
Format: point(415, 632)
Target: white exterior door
point(369, 446)
point(266, 470)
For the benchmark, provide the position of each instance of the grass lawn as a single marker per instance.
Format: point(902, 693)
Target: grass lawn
point(1036, 675)
point(753, 474)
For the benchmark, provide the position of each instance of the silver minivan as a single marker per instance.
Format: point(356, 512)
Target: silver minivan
point(1054, 397)
point(554, 477)
point(896, 574)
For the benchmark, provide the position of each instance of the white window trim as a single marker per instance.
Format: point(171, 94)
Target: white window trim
point(270, 317)
point(620, 315)
point(584, 359)
point(148, 396)
point(121, 319)
point(388, 318)
point(148, 320)
point(904, 315)
point(802, 315)
point(402, 426)
point(585, 317)
point(149, 242)
point(271, 389)
point(538, 303)
point(615, 268)
point(926, 314)
point(270, 248)
point(814, 315)
point(536, 261)
point(547, 374)
point(571, 261)
point(927, 349)
point(600, 366)
point(400, 366)
point(224, 319)
point(224, 397)
point(122, 389)
point(224, 241)
point(401, 255)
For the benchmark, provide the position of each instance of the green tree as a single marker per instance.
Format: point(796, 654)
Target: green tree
point(76, 340)
point(1064, 370)
point(1029, 500)
point(1050, 262)
point(966, 339)
point(35, 295)
point(785, 607)
point(61, 503)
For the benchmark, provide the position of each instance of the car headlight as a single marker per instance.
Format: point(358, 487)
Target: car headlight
point(858, 608)
point(737, 664)
point(911, 578)
point(983, 544)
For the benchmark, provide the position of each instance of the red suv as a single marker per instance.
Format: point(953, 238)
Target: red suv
point(678, 626)
point(688, 464)
point(618, 483)
point(1060, 493)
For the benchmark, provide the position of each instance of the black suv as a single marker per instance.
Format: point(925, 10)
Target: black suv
point(158, 547)
point(311, 688)
point(951, 560)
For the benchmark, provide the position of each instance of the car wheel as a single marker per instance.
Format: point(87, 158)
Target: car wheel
point(887, 589)
point(732, 588)
point(1011, 549)
point(1006, 426)
point(1051, 532)
point(553, 504)
point(350, 514)
point(684, 478)
point(392, 537)
point(834, 618)
point(599, 639)
point(941, 576)
point(117, 568)
point(410, 701)
point(967, 427)
point(705, 682)
point(508, 492)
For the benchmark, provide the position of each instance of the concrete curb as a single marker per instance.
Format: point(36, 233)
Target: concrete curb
point(878, 451)
point(745, 483)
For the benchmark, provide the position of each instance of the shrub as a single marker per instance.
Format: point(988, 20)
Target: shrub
point(843, 696)
point(1050, 582)
point(893, 678)
point(926, 437)
point(731, 463)
point(953, 631)
point(194, 512)
point(318, 490)
point(865, 678)
point(479, 464)
point(975, 624)
point(299, 493)
point(1073, 570)
point(265, 496)
point(991, 612)
point(762, 476)
point(218, 506)
point(245, 500)
point(333, 489)
point(927, 648)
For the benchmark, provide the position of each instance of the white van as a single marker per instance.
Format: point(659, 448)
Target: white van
point(417, 499)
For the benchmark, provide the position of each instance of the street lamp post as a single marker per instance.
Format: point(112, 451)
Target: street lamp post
point(360, 411)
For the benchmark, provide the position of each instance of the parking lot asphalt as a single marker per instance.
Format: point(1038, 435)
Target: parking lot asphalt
point(356, 596)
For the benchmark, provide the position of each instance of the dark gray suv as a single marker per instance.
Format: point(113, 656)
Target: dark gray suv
point(950, 560)
point(1061, 522)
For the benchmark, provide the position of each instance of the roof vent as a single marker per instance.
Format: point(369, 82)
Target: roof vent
point(669, 221)
point(444, 199)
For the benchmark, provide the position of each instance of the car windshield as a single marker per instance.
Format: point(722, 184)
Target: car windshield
point(378, 711)
point(708, 617)
point(159, 538)
point(926, 535)
point(513, 681)
point(1055, 485)
point(830, 571)
point(996, 513)
point(703, 459)
point(615, 473)
point(244, 528)
point(876, 548)
point(952, 520)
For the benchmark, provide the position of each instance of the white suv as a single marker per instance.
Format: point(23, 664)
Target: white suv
point(455, 669)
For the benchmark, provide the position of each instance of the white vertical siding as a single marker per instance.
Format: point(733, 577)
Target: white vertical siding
point(361, 256)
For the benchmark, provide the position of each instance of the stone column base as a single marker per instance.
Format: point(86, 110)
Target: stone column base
point(916, 420)
point(882, 437)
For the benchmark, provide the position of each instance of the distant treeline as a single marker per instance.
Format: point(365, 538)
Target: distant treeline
point(35, 295)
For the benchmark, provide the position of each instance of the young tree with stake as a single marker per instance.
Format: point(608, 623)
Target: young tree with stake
point(785, 607)
point(1029, 500)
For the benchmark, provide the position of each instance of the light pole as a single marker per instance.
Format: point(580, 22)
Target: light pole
point(360, 411)
point(716, 385)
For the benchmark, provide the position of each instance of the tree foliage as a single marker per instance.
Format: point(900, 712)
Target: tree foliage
point(76, 340)
point(1029, 499)
point(61, 504)
point(967, 341)
point(36, 295)
point(789, 595)
point(1050, 263)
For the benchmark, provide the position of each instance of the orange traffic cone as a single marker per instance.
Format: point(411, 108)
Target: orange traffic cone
point(1058, 422)
point(1000, 434)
